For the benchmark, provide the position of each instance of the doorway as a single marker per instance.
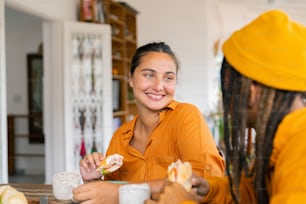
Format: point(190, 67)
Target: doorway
point(23, 38)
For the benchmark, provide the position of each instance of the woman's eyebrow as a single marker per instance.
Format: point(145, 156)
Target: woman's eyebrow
point(148, 69)
point(153, 70)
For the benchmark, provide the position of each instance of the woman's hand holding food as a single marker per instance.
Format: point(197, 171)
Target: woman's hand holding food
point(200, 186)
point(182, 186)
point(95, 165)
point(175, 193)
point(89, 164)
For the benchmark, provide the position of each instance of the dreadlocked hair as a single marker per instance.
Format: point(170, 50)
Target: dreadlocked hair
point(274, 104)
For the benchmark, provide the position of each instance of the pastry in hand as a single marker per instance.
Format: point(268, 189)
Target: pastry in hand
point(110, 164)
point(180, 172)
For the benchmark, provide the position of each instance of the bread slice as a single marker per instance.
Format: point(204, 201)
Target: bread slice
point(180, 172)
point(110, 164)
point(9, 195)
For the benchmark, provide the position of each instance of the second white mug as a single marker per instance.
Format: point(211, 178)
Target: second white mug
point(134, 193)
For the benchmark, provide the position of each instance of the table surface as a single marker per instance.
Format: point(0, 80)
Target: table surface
point(38, 193)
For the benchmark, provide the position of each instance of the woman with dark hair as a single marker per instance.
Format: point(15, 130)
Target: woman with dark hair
point(263, 81)
point(162, 132)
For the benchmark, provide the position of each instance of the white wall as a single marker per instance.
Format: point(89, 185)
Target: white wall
point(49, 9)
point(191, 28)
point(23, 36)
point(181, 24)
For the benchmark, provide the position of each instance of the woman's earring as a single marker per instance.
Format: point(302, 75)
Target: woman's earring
point(303, 96)
point(304, 100)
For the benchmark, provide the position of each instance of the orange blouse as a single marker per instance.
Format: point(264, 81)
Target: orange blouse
point(182, 133)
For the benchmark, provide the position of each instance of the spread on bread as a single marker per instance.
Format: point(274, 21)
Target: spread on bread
point(110, 164)
point(180, 172)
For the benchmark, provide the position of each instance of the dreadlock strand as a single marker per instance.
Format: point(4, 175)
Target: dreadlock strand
point(282, 104)
point(235, 136)
point(227, 90)
point(243, 104)
point(264, 111)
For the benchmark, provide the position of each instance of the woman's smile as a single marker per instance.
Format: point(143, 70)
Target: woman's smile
point(155, 97)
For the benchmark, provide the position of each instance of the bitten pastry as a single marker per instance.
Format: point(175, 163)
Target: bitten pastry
point(110, 164)
point(180, 172)
point(9, 195)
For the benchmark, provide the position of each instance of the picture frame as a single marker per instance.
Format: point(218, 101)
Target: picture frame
point(87, 10)
point(35, 98)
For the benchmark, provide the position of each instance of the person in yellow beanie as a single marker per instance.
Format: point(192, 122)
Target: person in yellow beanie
point(263, 81)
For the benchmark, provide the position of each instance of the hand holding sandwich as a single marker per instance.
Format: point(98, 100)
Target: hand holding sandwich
point(95, 166)
point(175, 193)
point(89, 164)
point(182, 186)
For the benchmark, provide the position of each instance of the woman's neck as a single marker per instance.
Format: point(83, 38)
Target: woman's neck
point(148, 121)
point(145, 125)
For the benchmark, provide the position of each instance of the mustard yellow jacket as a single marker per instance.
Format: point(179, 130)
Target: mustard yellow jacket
point(288, 180)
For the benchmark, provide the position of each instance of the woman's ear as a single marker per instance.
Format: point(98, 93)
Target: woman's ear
point(130, 80)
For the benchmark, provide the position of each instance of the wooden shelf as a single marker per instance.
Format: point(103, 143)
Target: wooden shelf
point(130, 102)
point(124, 45)
point(117, 39)
point(28, 155)
point(121, 77)
point(12, 136)
point(119, 113)
point(123, 20)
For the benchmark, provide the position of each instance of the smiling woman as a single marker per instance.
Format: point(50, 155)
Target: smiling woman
point(164, 131)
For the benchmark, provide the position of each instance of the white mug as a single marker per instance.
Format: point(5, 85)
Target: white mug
point(134, 193)
point(63, 183)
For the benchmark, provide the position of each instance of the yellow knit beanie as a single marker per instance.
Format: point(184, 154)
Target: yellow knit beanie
point(271, 50)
